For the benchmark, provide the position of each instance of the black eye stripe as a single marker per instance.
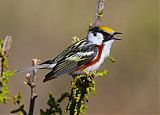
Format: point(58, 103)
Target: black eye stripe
point(104, 33)
point(106, 38)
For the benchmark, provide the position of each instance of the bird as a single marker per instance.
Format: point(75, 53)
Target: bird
point(85, 55)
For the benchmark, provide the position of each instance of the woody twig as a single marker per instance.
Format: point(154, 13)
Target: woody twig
point(31, 81)
point(98, 14)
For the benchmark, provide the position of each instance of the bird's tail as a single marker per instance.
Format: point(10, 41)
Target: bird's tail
point(49, 76)
point(31, 68)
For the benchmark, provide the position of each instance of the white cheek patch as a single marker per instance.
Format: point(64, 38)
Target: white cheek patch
point(98, 39)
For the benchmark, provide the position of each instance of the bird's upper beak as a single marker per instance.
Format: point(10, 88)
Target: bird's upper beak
point(115, 38)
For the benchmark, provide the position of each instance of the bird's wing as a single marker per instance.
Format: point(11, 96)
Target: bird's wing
point(73, 48)
point(72, 61)
point(50, 64)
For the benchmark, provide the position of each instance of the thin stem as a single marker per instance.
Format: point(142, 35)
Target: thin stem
point(5, 47)
point(1, 65)
point(32, 83)
point(99, 12)
point(31, 107)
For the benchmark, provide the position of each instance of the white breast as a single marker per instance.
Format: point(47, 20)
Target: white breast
point(105, 54)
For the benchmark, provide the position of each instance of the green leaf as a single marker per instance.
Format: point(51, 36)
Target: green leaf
point(111, 58)
point(17, 99)
point(4, 92)
point(20, 110)
point(54, 105)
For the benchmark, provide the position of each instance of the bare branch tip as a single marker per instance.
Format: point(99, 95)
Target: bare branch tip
point(35, 61)
point(7, 44)
point(28, 76)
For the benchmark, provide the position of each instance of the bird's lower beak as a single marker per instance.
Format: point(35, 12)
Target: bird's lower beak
point(115, 38)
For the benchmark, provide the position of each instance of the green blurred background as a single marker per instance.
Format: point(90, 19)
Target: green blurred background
point(43, 28)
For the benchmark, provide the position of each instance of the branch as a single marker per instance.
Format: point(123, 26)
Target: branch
point(31, 81)
point(5, 47)
point(99, 12)
point(81, 87)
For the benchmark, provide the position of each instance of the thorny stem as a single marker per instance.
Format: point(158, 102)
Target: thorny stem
point(31, 81)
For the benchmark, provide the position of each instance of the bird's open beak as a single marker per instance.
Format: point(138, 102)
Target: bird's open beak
point(115, 38)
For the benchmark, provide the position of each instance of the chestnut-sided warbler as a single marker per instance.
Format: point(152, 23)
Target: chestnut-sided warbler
point(84, 55)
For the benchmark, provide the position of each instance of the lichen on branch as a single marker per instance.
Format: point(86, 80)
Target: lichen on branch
point(81, 87)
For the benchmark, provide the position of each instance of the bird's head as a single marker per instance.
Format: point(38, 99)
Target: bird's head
point(102, 34)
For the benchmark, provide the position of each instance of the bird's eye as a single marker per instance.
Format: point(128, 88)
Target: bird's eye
point(94, 33)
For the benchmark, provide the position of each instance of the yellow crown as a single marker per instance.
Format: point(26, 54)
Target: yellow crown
point(107, 29)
